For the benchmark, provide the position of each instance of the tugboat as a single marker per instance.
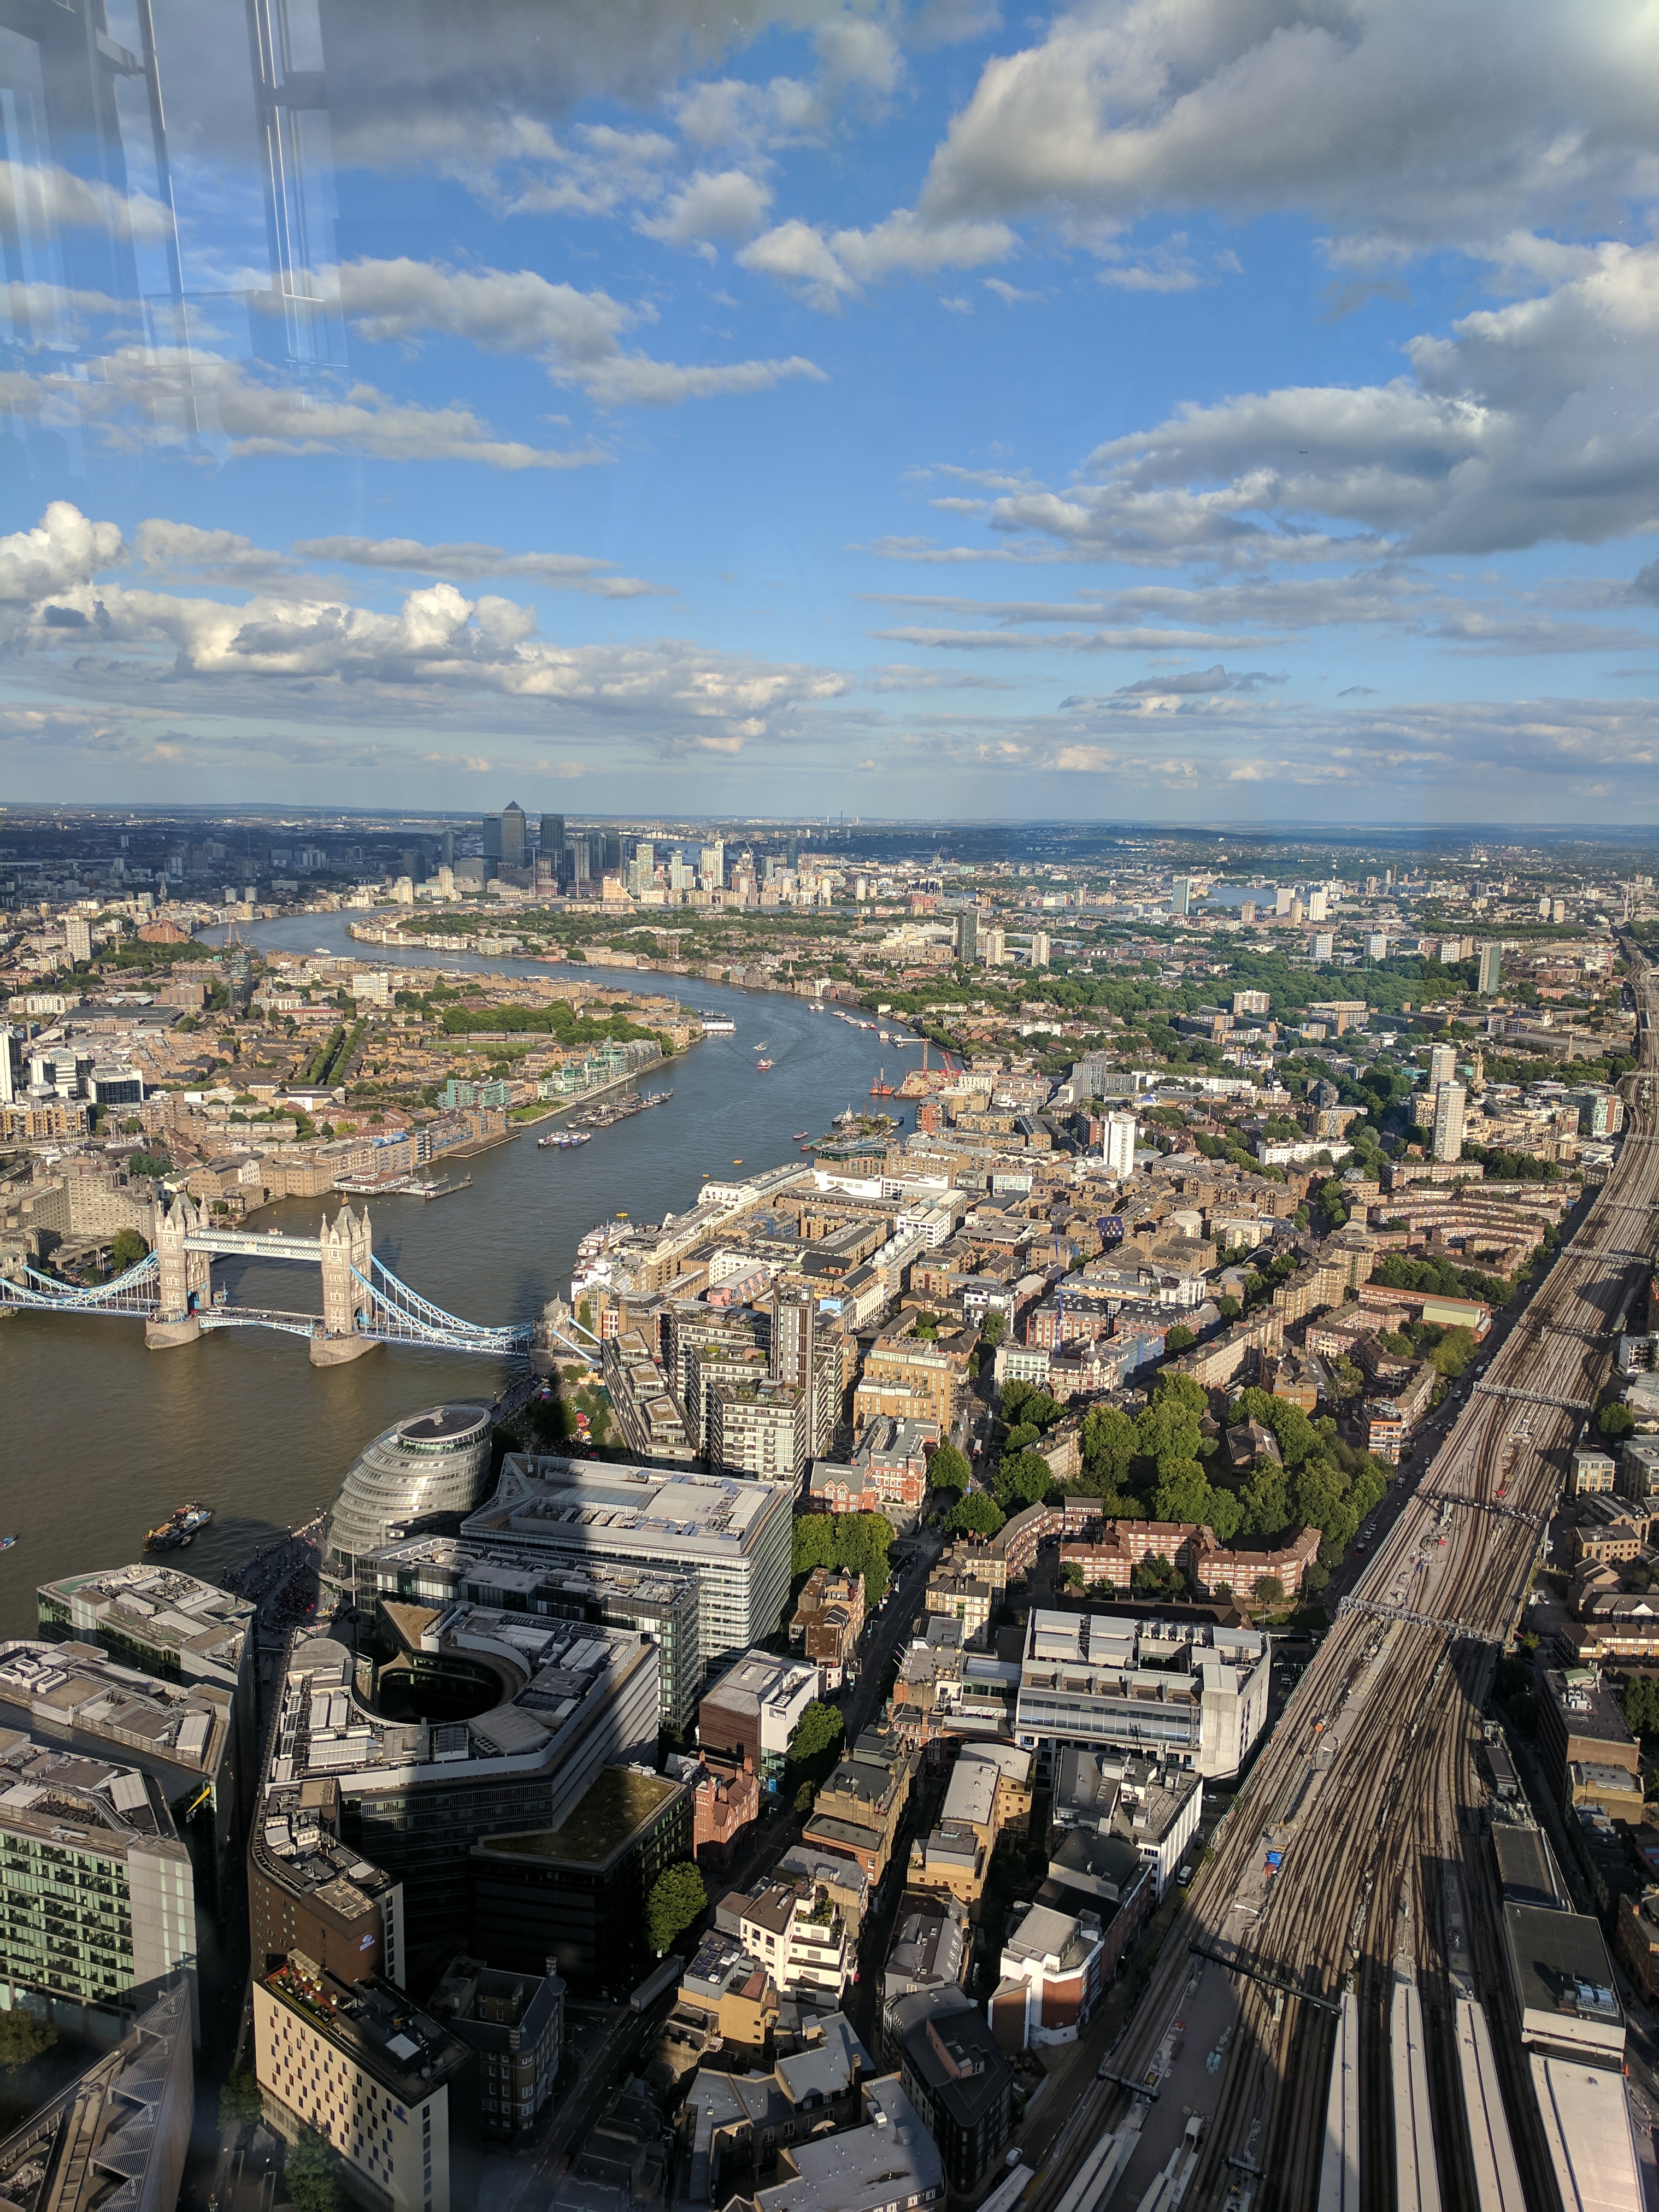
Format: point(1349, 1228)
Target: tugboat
point(172, 1535)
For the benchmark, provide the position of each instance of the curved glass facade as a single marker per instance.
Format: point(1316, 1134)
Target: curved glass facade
point(435, 1461)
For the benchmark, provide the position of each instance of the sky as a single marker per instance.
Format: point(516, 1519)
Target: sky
point(1187, 410)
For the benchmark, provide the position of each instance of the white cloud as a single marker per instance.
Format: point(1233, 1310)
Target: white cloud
point(574, 334)
point(1009, 294)
point(137, 398)
point(732, 204)
point(1402, 123)
point(831, 268)
point(220, 556)
point(441, 653)
point(40, 200)
point(571, 571)
point(1531, 422)
point(63, 550)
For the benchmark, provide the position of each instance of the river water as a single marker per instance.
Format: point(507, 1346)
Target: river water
point(101, 1438)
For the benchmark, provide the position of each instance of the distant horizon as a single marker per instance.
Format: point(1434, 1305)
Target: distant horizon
point(1311, 827)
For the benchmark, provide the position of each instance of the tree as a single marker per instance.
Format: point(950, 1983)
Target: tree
point(948, 1468)
point(1269, 1591)
point(1616, 1421)
point(1109, 1444)
point(819, 1729)
point(677, 1896)
point(1641, 1706)
point(22, 2038)
point(1179, 1339)
point(127, 1250)
point(1229, 1308)
point(992, 1328)
point(1454, 1352)
point(1072, 1574)
point(239, 2101)
point(312, 2170)
point(1022, 1479)
point(976, 1515)
point(1156, 1577)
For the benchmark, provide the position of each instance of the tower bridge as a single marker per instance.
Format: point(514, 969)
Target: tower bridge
point(171, 1291)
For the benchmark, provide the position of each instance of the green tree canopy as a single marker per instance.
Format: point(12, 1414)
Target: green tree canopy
point(677, 1896)
point(127, 1250)
point(239, 2101)
point(1022, 1479)
point(312, 2173)
point(1616, 1421)
point(976, 1515)
point(858, 1541)
point(1109, 1444)
point(948, 1468)
point(23, 2038)
point(1179, 1339)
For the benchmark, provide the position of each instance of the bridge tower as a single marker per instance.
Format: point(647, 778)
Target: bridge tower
point(185, 1278)
point(348, 1251)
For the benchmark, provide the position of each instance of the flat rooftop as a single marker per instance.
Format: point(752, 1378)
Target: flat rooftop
point(591, 1504)
point(611, 1811)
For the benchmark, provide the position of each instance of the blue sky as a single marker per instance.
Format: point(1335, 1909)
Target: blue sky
point(1170, 410)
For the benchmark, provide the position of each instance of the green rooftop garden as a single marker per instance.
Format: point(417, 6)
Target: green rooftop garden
point(614, 1806)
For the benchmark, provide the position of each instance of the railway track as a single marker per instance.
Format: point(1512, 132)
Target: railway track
point(1369, 1781)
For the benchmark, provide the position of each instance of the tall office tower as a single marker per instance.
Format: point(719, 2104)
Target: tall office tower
point(642, 866)
point(551, 837)
point(581, 846)
point(77, 938)
point(1283, 897)
point(1490, 979)
point(1181, 894)
point(681, 876)
point(504, 839)
point(1121, 1131)
point(611, 851)
point(446, 850)
point(967, 936)
point(1443, 1065)
point(711, 865)
point(1449, 1102)
point(12, 1077)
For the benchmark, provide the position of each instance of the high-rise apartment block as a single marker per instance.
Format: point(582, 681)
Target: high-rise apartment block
point(1489, 980)
point(1443, 1065)
point(77, 938)
point(1251, 1002)
point(1121, 1132)
point(1181, 894)
point(967, 936)
point(1448, 1102)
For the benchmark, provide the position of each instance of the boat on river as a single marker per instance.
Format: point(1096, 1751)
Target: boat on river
point(563, 1140)
point(172, 1535)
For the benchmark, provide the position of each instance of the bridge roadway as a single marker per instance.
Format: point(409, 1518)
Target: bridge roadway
point(1368, 1784)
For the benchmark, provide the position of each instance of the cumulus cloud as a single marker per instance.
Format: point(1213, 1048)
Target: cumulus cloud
point(441, 651)
point(574, 334)
point(39, 199)
point(732, 204)
point(830, 268)
point(63, 550)
point(1528, 422)
point(219, 556)
point(1414, 124)
point(571, 571)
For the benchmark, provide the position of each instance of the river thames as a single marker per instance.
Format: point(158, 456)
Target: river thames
point(103, 1438)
